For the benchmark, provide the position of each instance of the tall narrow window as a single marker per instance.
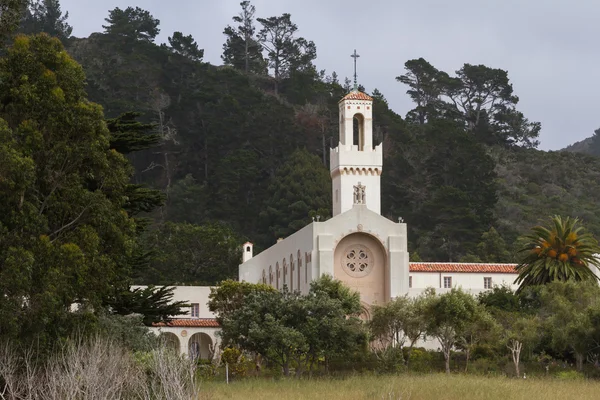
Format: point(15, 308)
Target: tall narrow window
point(410, 281)
point(195, 310)
point(447, 282)
point(291, 273)
point(487, 282)
point(358, 129)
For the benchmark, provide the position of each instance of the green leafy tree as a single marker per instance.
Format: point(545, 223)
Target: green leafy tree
point(285, 51)
point(46, 16)
point(559, 251)
point(520, 331)
point(65, 236)
point(289, 328)
point(480, 328)
point(185, 46)
point(132, 23)
point(450, 316)
point(242, 49)
point(230, 295)
point(568, 308)
point(300, 189)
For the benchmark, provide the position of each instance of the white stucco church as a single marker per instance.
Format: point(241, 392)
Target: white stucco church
point(358, 246)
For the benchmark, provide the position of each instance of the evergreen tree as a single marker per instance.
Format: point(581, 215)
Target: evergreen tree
point(46, 16)
point(286, 52)
point(187, 254)
point(155, 304)
point(132, 23)
point(242, 50)
point(186, 46)
point(10, 15)
point(493, 248)
point(299, 191)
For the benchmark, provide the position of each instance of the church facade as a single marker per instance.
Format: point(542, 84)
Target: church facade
point(359, 246)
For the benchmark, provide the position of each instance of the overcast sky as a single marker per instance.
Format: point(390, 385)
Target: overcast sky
point(548, 47)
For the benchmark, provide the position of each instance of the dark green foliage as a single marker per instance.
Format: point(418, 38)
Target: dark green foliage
point(443, 184)
point(128, 331)
point(242, 49)
point(186, 46)
point(129, 135)
point(286, 52)
point(64, 235)
point(300, 190)
point(288, 328)
point(132, 23)
point(46, 16)
point(10, 15)
point(479, 97)
point(154, 304)
point(191, 254)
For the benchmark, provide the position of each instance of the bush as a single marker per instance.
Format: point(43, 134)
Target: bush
point(569, 375)
point(390, 360)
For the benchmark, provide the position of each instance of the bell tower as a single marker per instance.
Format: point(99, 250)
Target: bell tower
point(355, 162)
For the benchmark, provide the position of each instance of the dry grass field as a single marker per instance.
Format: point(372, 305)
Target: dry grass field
point(413, 387)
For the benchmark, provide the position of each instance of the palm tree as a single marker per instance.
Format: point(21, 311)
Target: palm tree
point(561, 251)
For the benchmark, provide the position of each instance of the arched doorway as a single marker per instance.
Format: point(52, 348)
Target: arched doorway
point(170, 341)
point(360, 262)
point(200, 346)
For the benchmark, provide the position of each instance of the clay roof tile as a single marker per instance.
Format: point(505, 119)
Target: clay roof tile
point(462, 267)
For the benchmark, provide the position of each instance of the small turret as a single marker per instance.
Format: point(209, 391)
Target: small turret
point(247, 251)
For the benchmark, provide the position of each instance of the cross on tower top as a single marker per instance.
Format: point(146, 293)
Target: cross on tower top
point(355, 56)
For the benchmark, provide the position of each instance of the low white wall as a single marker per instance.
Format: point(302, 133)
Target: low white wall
point(192, 294)
point(468, 281)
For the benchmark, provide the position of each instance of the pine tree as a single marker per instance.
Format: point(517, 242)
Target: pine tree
point(46, 16)
point(299, 191)
point(242, 50)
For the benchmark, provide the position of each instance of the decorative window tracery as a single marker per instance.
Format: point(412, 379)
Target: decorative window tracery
point(358, 261)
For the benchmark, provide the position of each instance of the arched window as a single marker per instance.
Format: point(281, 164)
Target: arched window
point(359, 131)
point(292, 273)
point(264, 277)
point(306, 262)
point(285, 270)
point(248, 248)
point(299, 269)
point(271, 275)
point(277, 274)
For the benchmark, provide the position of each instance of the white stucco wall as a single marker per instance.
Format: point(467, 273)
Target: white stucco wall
point(361, 219)
point(300, 242)
point(191, 294)
point(468, 281)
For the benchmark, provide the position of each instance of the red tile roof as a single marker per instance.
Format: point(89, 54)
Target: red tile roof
point(462, 267)
point(191, 323)
point(356, 95)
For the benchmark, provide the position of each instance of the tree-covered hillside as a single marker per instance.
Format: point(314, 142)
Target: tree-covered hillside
point(243, 152)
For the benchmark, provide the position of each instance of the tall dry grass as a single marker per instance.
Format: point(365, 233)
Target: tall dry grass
point(97, 369)
point(405, 387)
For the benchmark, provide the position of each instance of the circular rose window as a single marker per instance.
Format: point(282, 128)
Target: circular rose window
point(358, 261)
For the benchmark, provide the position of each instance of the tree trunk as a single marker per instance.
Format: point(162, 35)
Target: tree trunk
point(515, 349)
point(286, 369)
point(447, 357)
point(579, 361)
point(468, 354)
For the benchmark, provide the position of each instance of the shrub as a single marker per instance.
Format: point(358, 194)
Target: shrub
point(569, 375)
